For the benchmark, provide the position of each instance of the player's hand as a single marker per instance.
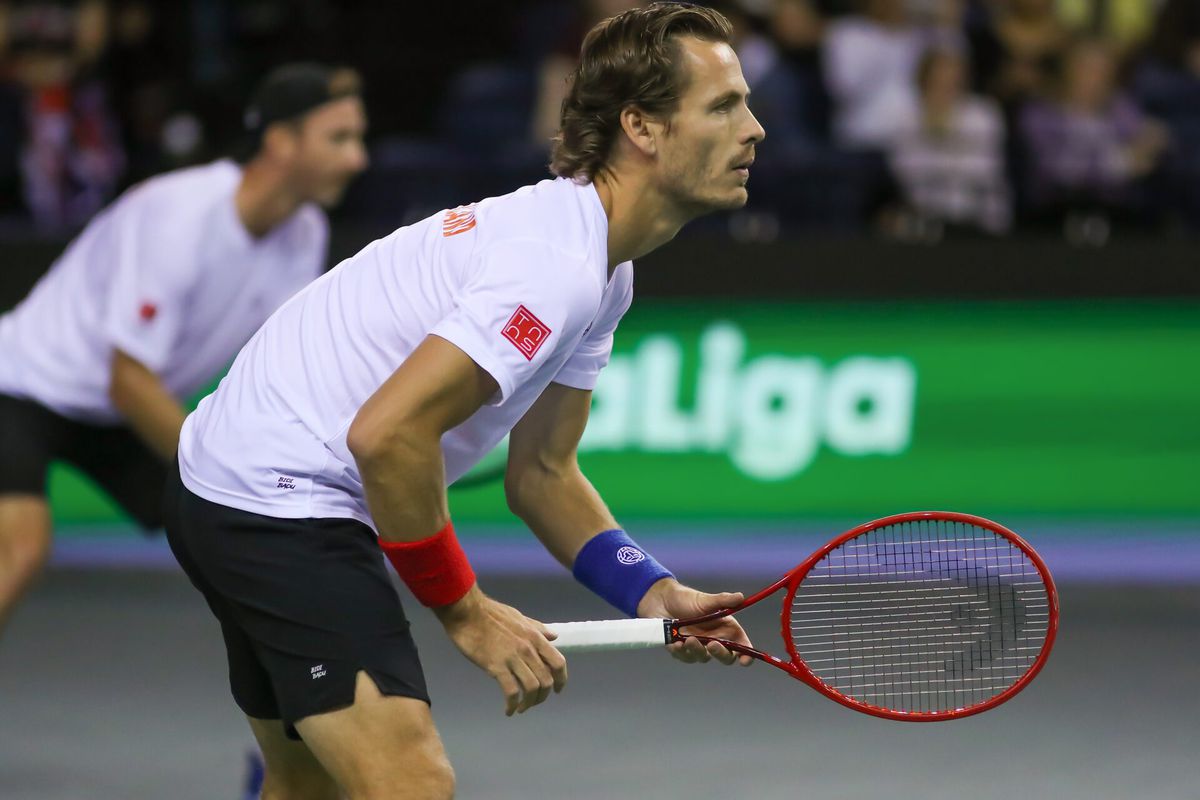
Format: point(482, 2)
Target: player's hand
point(504, 643)
point(669, 599)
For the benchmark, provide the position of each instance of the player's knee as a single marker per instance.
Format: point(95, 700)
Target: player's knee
point(441, 780)
point(296, 776)
point(428, 777)
point(24, 549)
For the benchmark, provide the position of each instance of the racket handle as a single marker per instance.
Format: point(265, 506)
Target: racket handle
point(610, 634)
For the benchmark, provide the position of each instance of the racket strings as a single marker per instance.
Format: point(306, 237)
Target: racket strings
point(921, 616)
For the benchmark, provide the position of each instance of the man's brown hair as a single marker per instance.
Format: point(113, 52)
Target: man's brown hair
point(632, 59)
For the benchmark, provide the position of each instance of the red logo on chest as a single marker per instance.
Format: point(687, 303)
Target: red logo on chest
point(148, 311)
point(526, 332)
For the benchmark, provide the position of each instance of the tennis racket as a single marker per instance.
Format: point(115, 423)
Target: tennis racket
point(923, 616)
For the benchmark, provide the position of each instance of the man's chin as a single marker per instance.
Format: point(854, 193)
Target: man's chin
point(734, 201)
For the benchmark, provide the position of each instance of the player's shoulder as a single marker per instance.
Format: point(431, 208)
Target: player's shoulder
point(200, 182)
point(184, 197)
point(554, 215)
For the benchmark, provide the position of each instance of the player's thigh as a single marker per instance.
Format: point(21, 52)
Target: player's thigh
point(381, 746)
point(292, 771)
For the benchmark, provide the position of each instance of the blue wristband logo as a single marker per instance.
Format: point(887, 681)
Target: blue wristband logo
point(614, 567)
point(630, 555)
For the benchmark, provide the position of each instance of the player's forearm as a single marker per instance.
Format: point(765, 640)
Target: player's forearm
point(153, 412)
point(404, 486)
point(561, 507)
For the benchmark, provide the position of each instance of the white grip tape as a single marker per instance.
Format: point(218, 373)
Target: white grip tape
point(611, 634)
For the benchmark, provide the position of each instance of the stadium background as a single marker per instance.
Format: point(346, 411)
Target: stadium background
point(843, 348)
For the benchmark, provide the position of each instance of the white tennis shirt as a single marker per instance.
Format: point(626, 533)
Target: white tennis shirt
point(167, 274)
point(519, 283)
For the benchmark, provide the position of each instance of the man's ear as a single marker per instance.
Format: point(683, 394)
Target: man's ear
point(643, 131)
point(280, 141)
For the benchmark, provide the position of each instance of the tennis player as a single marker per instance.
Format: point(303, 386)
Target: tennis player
point(154, 298)
point(343, 420)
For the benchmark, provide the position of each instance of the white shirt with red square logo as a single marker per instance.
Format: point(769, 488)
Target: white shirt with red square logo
point(519, 283)
point(168, 275)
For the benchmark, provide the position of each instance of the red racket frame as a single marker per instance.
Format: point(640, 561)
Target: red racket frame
point(799, 670)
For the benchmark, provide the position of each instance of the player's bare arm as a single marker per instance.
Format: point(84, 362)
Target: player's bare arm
point(396, 442)
point(543, 483)
point(546, 488)
point(150, 409)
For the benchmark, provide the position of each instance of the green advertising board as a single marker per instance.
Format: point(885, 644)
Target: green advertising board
point(784, 410)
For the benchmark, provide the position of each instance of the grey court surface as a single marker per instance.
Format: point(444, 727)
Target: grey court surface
point(112, 685)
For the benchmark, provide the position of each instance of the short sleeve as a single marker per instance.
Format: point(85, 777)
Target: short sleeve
point(591, 356)
point(520, 302)
point(147, 298)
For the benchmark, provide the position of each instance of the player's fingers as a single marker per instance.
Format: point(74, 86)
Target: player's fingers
point(530, 685)
point(690, 651)
point(678, 652)
point(721, 653)
point(545, 679)
point(731, 630)
point(511, 689)
point(555, 661)
point(745, 661)
point(721, 600)
point(549, 634)
point(695, 649)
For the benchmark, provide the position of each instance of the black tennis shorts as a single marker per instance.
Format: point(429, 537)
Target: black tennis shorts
point(304, 605)
point(32, 436)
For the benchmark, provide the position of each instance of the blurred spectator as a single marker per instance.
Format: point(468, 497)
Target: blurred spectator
point(798, 30)
point(69, 156)
point(1168, 86)
point(1090, 144)
point(943, 15)
point(1125, 23)
point(1018, 54)
point(148, 79)
point(1169, 80)
point(558, 63)
point(145, 73)
point(869, 61)
point(948, 156)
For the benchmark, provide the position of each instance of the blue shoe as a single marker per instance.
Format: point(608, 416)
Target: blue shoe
point(254, 776)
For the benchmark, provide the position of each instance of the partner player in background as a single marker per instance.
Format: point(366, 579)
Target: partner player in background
point(342, 421)
point(154, 298)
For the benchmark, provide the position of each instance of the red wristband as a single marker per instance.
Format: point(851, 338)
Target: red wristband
point(436, 569)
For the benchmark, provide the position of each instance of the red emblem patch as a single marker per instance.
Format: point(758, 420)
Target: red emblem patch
point(148, 311)
point(526, 332)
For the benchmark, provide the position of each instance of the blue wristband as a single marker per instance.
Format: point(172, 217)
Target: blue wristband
point(614, 567)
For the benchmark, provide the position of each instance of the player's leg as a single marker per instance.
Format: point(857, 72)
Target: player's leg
point(30, 436)
point(381, 747)
point(307, 610)
point(292, 772)
point(24, 546)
